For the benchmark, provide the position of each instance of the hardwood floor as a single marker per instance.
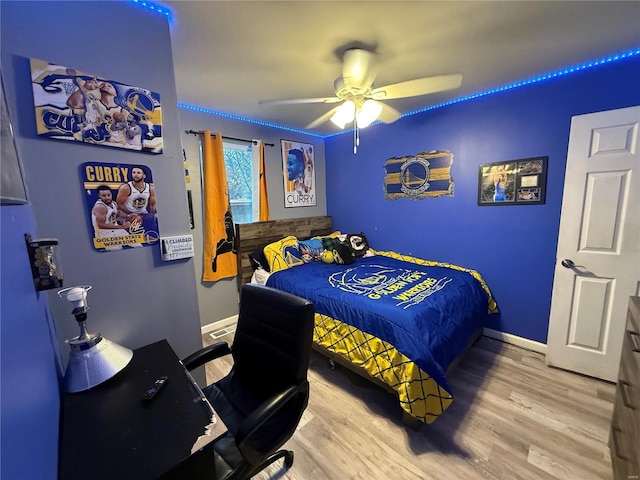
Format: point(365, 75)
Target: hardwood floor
point(512, 418)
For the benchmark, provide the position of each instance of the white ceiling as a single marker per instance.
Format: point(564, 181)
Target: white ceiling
point(228, 55)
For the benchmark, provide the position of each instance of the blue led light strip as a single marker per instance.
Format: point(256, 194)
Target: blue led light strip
point(530, 81)
point(153, 7)
point(232, 116)
point(541, 78)
point(547, 76)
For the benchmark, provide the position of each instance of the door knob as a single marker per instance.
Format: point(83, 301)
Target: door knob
point(567, 263)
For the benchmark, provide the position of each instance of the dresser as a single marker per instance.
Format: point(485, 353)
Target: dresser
point(624, 439)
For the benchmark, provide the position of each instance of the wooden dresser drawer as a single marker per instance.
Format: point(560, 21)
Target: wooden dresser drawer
point(625, 425)
point(627, 430)
point(625, 466)
point(629, 379)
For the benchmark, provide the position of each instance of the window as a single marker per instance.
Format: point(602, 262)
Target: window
point(239, 166)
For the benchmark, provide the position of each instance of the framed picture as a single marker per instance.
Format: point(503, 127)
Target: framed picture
point(298, 167)
point(513, 182)
point(12, 189)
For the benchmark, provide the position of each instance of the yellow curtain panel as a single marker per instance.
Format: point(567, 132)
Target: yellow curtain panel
point(219, 233)
point(264, 197)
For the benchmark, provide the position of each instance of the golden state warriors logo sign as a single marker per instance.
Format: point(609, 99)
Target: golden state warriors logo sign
point(409, 287)
point(427, 174)
point(414, 176)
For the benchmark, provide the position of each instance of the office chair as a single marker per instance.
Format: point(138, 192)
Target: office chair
point(262, 398)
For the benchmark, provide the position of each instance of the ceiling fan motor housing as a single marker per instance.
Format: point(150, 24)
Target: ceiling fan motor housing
point(345, 91)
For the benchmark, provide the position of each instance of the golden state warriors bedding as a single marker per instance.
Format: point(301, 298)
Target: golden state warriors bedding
point(402, 319)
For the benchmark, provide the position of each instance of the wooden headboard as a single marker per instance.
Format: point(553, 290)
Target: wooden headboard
point(250, 236)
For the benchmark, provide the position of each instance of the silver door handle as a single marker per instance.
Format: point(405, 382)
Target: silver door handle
point(567, 263)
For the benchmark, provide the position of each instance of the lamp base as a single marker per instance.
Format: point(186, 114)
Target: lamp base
point(91, 367)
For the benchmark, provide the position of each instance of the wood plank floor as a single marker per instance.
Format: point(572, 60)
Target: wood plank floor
point(512, 418)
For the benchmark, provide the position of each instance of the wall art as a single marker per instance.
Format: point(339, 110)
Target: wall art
point(82, 107)
point(513, 182)
point(121, 205)
point(12, 189)
point(427, 174)
point(298, 166)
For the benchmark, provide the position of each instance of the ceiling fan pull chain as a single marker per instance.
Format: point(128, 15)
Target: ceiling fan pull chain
point(355, 136)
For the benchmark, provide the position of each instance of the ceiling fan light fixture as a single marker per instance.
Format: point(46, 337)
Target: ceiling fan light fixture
point(368, 113)
point(344, 114)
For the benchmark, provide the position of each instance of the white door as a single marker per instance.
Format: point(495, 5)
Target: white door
point(598, 257)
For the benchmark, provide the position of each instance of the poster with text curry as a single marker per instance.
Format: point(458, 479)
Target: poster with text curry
point(298, 166)
point(82, 107)
point(120, 204)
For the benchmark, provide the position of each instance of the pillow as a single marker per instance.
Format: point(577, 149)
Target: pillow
point(310, 249)
point(283, 254)
point(258, 259)
point(343, 254)
point(358, 243)
point(260, 276)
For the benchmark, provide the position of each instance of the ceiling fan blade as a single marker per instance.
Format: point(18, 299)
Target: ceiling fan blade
point(295, 101)
point(358, 68)
point(320, 120)
point(417, 87)
point(388, 114)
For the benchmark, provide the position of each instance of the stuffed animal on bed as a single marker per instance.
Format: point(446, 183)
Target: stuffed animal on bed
point(343, 254)
point(358, 243)
point(326, 256)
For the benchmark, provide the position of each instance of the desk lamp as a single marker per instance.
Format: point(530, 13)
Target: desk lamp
point(93, 358)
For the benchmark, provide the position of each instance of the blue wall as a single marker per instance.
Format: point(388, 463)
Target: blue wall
point(513, 247)
point(30, 362)
point(136, 299)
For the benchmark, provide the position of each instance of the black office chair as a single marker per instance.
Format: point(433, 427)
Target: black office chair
point(262, 398)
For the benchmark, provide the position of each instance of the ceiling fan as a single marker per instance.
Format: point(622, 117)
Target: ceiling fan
point(361, 102)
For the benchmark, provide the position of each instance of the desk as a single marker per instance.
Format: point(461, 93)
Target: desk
point(110, 432)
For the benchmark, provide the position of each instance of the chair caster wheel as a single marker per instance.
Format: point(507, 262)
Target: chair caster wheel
point(288, 459)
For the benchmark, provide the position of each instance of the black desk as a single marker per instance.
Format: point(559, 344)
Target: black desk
point(110, 432)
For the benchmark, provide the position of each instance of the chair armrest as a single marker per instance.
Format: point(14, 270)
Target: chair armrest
point(260, 415)
point(206, 354)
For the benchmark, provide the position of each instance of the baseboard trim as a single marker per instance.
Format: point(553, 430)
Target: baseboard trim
point(218, 325)
point(516, 340)
point(503, 337)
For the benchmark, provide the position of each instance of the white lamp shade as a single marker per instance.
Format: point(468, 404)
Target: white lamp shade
point(368, 113)
point(344, 114)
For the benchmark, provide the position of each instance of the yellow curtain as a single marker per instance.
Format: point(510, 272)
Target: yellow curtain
point(264, 198)
point(219, 234)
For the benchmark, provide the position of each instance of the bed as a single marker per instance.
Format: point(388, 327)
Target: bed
point(402, 322)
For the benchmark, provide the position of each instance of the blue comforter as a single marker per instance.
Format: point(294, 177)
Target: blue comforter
point(428, 313)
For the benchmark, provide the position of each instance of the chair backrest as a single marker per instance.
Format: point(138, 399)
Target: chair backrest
point(273, 338)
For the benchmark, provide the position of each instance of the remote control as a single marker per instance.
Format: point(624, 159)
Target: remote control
point(155, 388)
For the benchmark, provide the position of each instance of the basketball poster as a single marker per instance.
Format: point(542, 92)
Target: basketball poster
point(298, 166)
point(81, 107)
point(120, 204)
